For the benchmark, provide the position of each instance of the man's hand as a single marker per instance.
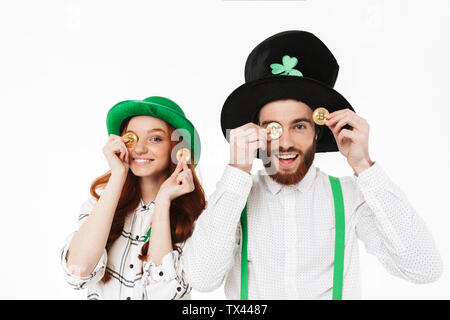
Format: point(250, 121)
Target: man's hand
point(353, 144)
point(244, 143)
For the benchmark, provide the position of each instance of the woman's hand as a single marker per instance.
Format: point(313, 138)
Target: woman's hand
point(180, 182)
point(116, 154)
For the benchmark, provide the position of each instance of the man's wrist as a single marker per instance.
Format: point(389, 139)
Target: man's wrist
point(364, 165)
point(245, 169)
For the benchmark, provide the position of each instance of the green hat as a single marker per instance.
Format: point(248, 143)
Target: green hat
point(158, 107)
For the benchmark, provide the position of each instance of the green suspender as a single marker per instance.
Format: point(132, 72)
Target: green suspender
point(339, 240)
point(148, 234)
point(339, 243)
point(244, 260)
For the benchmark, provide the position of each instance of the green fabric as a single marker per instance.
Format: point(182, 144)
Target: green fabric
point(244, 259)
point(339, 243)
point(158, 107)
point(148, 235)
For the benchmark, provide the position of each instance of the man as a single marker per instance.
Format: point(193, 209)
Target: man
point(291, 231)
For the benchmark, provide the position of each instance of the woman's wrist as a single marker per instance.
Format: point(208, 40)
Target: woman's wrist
point(162, 209)
point(162, 200)
point(118, 177)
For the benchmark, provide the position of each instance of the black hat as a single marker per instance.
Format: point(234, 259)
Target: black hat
point(289, 65)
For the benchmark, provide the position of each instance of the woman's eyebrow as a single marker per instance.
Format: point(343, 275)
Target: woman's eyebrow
point(156, 129)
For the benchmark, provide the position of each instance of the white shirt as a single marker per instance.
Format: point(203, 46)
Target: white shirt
point(130, 278)
point(291, 235)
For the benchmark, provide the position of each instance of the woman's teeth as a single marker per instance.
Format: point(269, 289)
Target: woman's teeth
point(142, 161)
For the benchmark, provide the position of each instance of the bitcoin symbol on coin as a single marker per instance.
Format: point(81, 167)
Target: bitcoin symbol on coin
point(319, 115)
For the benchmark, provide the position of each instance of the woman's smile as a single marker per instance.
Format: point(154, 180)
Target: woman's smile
point(142, 161)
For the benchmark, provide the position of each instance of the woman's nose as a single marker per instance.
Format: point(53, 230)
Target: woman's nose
point(140, 147)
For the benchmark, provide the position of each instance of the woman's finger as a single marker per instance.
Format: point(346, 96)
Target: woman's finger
point(177, 169)
point(125, 140)
point(122, 153)
point(127, 156)
point(189, 174)
point(184, 165)
point(180, 179)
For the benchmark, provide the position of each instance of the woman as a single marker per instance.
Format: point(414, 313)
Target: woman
point(132, 229)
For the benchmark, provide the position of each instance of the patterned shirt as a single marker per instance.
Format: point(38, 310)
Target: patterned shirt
point(291, 233)
point(130, 278)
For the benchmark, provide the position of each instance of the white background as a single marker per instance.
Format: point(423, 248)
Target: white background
point(63, 64)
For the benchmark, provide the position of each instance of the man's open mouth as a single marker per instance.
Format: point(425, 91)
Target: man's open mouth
point(286, 160)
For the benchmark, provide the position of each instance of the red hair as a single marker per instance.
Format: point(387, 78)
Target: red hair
point(184, 210)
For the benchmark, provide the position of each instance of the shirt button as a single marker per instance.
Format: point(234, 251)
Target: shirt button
point(137, 237)
point(179, 289)
point(131, 266)
point(128, 298)
point(145, 207)
point(161, 273)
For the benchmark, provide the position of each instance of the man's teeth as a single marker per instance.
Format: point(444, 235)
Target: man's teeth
point(142, 160)
point(291, 156)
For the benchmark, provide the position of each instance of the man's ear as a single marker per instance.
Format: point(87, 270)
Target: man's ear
point(318, 131)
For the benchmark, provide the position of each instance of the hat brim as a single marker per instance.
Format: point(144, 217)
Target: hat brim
point(125, 109)
point(243, 104)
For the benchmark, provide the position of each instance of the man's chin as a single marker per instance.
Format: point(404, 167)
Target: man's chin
point(289, 176)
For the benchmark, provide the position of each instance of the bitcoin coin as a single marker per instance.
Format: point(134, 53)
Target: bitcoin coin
point(133, 139)
point(319, 115)
point(275, 130)
point(185, 153)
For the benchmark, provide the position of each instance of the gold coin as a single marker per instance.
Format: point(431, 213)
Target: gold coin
point(319, 115)
point(133, 139)
point(275, 130)
point(185, 153)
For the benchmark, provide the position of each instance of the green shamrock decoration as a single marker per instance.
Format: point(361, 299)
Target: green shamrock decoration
point(287, 68)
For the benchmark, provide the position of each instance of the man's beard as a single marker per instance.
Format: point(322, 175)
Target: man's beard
point(306, 161)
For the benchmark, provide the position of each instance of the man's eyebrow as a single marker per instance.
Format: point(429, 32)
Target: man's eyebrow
point(302, 120)
point(267, 122)
point(294, 121)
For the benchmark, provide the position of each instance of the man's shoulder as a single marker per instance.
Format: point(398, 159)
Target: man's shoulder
point(347, 182)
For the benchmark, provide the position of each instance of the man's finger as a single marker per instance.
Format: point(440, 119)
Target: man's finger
point(343, 122)
point(338, 112)
point(345, 133)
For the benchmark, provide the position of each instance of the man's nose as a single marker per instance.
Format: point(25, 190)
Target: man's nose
point(285, 141)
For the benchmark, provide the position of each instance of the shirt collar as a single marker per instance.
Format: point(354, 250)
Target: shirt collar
point(304, 184)
point(143, 205)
